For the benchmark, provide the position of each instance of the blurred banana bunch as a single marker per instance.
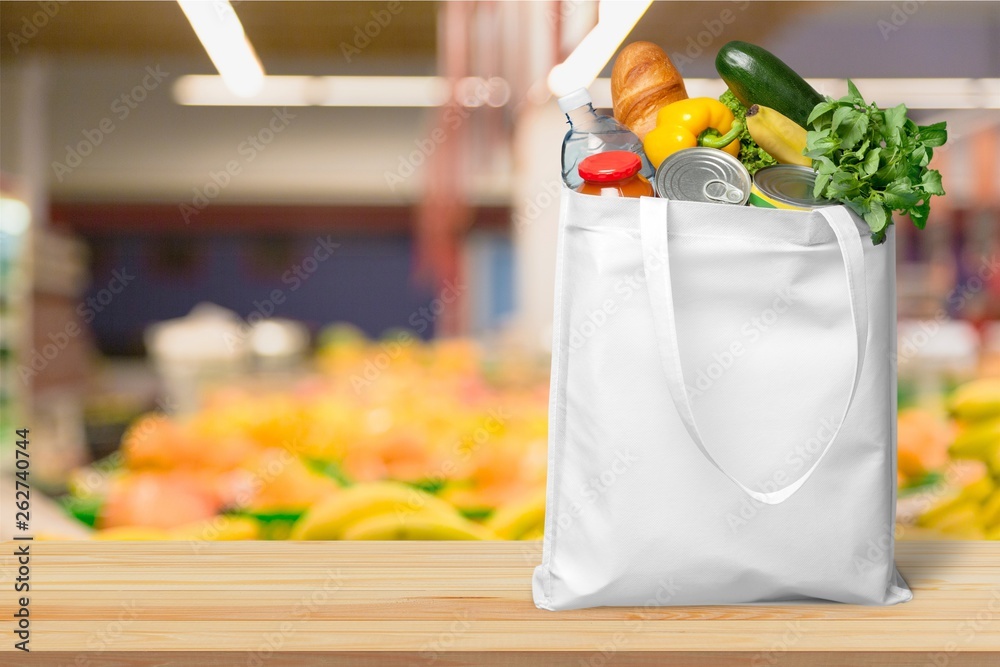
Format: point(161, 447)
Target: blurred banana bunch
point(395, 511)
point(385, 511)
point(974, 513)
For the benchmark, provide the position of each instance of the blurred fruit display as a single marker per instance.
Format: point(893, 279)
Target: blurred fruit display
point(402, 439)
point(964, 496)
point(391, 439)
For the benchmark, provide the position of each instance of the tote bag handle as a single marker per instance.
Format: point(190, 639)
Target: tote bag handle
point(653, 214)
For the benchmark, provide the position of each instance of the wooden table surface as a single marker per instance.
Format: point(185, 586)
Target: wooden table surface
point(457, 603)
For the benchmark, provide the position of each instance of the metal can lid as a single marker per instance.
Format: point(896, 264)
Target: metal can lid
point(790, 184)
point(705, 175)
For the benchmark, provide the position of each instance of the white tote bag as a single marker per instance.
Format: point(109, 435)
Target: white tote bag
point(723, 408)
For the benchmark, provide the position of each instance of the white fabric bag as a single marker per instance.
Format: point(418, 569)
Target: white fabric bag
point(722, 419)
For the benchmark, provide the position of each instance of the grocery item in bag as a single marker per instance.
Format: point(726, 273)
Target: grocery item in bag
point(786, 186)
point(614, 174)
point(643, 81)
point(590, 134)
point(705, 175)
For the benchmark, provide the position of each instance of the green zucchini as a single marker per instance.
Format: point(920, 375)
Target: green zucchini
point(757, 76)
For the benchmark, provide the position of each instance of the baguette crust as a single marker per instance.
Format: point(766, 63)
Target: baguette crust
point(642, 81)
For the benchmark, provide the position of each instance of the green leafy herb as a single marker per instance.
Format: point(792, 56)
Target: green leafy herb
point(752, 156)
point(330, 469)
point(874, 160)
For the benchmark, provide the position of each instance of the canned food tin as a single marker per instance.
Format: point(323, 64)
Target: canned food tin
point(703, 174)
point(786, 186)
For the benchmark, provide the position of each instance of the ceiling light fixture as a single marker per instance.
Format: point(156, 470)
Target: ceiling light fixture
point(916, 93)
point(432, 91)
point(221, 33)
point(15, 217)
point(615, 21)
point(330, 91)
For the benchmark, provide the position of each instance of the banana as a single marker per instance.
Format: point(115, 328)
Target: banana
point(516, 521)
point(328, 519)
point(943, 513)
point(132, 534)
point(536, 533)
point(779, 135)
point(219, 529)
point(978, 441)
point(976, 400)
point(963, 523)
point(962, 514)
point(417, 526)
point(978, 491)
point(991, 510)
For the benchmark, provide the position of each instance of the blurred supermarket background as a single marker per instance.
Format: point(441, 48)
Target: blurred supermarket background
point(226, 301)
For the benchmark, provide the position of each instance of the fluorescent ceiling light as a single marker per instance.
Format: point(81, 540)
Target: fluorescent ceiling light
point(615, 21)
point(432, 91)
point(221, 33)
point(14, 216)
point(330, 91)
point(915, 93)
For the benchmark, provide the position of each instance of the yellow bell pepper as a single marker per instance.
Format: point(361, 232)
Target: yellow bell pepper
point(683, 124)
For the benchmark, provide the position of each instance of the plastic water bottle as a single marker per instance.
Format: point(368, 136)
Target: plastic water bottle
point(589, 134)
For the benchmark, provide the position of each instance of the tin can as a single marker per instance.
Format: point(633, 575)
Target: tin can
point(786, 186)
point(705, 175)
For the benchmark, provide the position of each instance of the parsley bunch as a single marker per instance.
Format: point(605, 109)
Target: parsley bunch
point(874, 160)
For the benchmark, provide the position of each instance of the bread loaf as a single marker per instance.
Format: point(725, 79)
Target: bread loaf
point(642, 81)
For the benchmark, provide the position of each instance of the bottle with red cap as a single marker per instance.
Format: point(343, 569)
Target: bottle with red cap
point(590, 133)
point(614, 174)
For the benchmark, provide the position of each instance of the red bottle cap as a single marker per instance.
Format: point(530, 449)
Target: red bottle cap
point(609, 166)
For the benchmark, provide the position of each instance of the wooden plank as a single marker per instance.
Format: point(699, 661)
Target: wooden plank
point(405, 603)
point(509, 659)
point(451, 603)
point(304, 633)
